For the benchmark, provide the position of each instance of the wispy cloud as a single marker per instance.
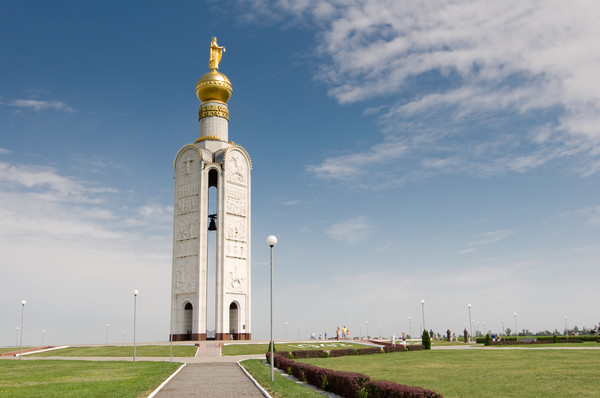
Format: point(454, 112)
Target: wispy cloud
point(74, 236)
point(590, 215)
point(32, 176)
point(467, 85)
point(4, 151)
point(353, 230)
point(39, 200)
point(354, 166)
point(39, 105)
point(490, 237)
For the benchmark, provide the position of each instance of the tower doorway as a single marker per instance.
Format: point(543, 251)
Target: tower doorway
point(233, 321)
point(188, 317)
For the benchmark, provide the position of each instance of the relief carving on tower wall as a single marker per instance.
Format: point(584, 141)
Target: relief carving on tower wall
point(236, 168)
point(236, 277)
point(188, 226)
point(185, 269)
point(188, 167)
point(236, 201)
point(185, 248)
point(187, 205)
point(236, 229)
point(236, 249)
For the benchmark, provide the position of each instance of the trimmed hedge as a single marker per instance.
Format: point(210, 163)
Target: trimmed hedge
point(342, 353)
point(308, 354)
point(389, 389)
point(369, 350)
point(347, 384)
point(397, 348)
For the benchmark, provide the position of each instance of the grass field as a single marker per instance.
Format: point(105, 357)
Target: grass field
point(9, 349)
point(120, 351)
point(483, 373)
point(58, 378)
point(281, 386)
point(250, 349)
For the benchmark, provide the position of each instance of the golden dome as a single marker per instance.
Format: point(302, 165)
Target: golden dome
point(214, 86)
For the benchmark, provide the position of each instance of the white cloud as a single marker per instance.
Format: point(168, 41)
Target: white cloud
point(39, 105)
point(69, 240)
point(490, 237)
point(4, 151)
point(351, 231)
point(590, 215)
point(457, 75)
point(32, 176)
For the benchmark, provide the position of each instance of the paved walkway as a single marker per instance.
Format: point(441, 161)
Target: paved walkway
point(208, 374)
point(210, 380)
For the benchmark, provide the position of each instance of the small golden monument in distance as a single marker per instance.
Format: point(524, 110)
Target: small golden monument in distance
point(214, 86)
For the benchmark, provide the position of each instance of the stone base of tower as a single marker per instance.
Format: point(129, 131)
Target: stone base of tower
point(187, 337)
point(236, 336)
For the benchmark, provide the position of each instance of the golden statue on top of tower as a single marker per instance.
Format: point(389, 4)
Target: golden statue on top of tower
point(216, 53)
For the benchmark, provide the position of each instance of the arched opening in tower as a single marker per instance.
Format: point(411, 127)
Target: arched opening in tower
point(211, 265)
point(233, 321)
point(188, 320)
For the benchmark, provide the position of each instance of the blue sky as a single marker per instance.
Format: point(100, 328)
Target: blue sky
point(447, 151)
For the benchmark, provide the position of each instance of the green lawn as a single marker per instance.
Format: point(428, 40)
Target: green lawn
point(483, 373)
point(249, 349)
point(9, 349)
point(120, 351)
point(570, 345)
point(280, 386)
point(58, 378)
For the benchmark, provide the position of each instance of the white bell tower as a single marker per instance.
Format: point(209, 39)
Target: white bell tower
point(211, 161)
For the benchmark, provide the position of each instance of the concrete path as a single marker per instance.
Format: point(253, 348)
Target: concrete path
point(210, 375)
point(210, 380)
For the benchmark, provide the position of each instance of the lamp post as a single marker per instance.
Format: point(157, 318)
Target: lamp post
point(516, 329)
point(23, 302)
point(470, 323)
point(379, 331)
point(423, 311)
point(135, 294)
point(484, 331)
point(123, 337)
point(367, 327)
point(43, 333)
point(566, 328)
point(271, 241)
point(107, 325)
point(286, 330)
point(359, 332)
point(410, 326)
